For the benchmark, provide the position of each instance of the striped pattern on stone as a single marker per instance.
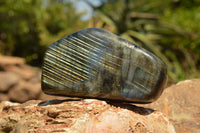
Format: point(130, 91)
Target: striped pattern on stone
point(95, 63)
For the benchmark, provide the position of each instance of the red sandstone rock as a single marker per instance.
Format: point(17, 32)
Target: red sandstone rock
point(180, 103)
point(25, 91)
point(9, 60)
point(4, 97)
point(18, 81)
point(25, 72)
point(7, 80)
point(81, 116)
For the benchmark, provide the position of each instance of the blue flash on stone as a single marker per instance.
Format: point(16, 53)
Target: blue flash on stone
point(95, 63)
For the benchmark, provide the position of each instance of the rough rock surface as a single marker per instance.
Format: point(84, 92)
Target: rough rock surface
point(9, 60)
point(18, 81)
point(8, 80)
point(79, 116)
point(180, 103)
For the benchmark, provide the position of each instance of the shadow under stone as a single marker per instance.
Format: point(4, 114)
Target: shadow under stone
point(131, 107)
point(57, 101)
point(121, 104)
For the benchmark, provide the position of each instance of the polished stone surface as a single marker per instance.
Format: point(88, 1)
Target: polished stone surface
point(95, 63)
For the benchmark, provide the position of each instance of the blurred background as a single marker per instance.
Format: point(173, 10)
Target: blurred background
point(170, 29)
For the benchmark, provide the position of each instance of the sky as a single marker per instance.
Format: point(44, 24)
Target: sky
point(80, 5)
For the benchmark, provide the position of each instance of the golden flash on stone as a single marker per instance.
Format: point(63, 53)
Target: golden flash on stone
point(95, 63)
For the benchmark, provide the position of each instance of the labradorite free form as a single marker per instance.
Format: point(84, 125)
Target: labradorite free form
point(95, 63)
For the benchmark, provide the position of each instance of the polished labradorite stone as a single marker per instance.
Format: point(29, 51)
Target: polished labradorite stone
point(95, 63)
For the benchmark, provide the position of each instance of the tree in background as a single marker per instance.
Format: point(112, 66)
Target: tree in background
point(28, 26)
point(170, 28)
point(148, 23)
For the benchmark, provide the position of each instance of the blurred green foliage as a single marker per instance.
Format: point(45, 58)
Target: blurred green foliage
point(169, 28)
point(28, 26)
